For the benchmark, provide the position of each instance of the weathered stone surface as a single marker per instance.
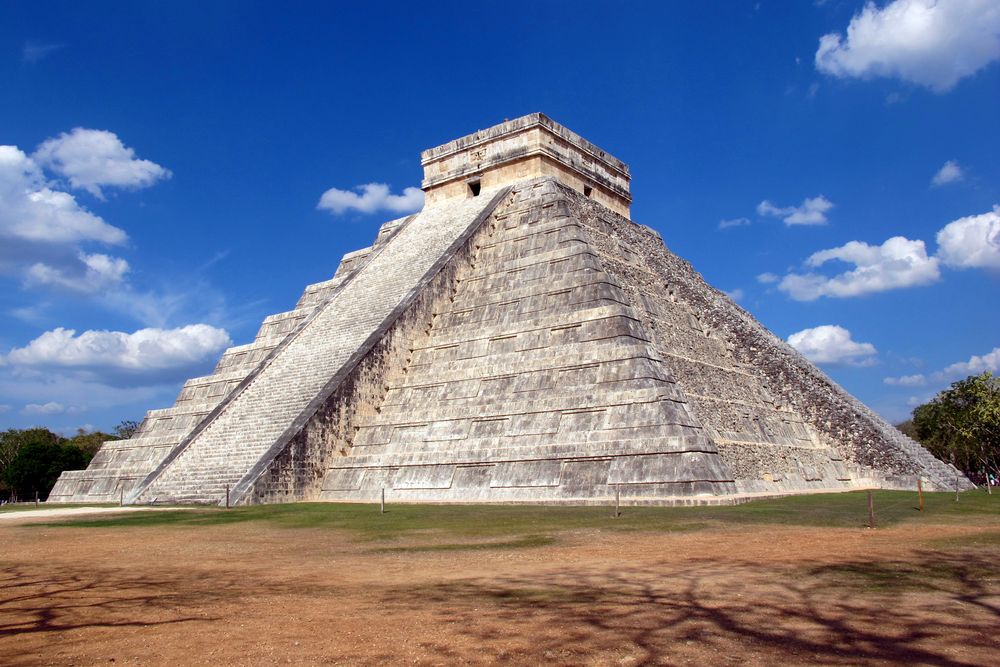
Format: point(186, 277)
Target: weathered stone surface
point(519, 340)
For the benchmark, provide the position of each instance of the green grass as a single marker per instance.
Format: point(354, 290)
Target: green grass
point(494, 521)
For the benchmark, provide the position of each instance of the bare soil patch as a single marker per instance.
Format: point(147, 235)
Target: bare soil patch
point(259, 594)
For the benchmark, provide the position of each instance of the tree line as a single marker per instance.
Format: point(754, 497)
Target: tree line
point(961, 425)
point(32, 459)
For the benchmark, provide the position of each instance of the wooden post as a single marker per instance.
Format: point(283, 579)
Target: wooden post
point(36, 498)
point(121, 497)
point(871, 510)
point(381, 509)
point(227, 496)
point(920, 492)
point(618, 500)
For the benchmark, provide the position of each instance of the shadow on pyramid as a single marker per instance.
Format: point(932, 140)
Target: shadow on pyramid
point(518, 340)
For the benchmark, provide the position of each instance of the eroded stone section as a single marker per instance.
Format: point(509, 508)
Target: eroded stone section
point(533, 381)
point(780, 424)
point(297, 472)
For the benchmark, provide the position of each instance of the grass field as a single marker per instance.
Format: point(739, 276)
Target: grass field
point(835, 510)
point(797, 580)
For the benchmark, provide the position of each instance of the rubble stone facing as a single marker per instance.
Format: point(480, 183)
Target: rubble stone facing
point(780, 423)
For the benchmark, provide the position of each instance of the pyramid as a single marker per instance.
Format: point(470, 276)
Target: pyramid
point(518, 340)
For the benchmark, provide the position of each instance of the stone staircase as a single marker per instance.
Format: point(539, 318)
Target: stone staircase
point(120, 465)
point(235, 443)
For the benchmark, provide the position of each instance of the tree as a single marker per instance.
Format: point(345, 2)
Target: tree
point(89, 443)
point(126, 429)
point(39, 461)
point(962, 424)
point(11, 443)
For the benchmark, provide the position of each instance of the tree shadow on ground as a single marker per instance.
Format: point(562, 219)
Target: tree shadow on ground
point(56, 599)
point(939, 609)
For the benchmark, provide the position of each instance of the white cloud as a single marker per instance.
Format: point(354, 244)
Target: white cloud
point(897, 263)
point(949, 173)
point(94, 158)
point(43, 409)
point(97, 273)
point(374, 197)
point(735, 222)
point(147, 356)
point(974, 366)
point(812, 211)
point(768, 278)
point(44, 231)
point(734, 294)
point(832, 344)
point(917, 380)
point(4, 408)
point(972, 241)
point(30, 211)
point(933, 43)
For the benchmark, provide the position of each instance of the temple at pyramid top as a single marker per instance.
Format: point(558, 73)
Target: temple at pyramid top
point(527, 147)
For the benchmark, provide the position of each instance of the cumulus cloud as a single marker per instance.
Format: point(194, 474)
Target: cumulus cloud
point(932, 43)
point(949, 173)
point(917, 380)
point(31, 211)
point(897, 263)
point(812, 211)
point(94, 158)
point(147, 356)
point(373, 197)
point(975, 365)
point(45, 231)
point(832, 344)
point(735, 222)
point(43, 409)
point(972, 241)
point(768, 278)
point(95, 273)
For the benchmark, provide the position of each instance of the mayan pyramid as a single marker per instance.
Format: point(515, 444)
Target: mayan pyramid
point(518, 340)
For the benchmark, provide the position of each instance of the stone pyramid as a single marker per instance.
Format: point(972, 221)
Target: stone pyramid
point(518, 340)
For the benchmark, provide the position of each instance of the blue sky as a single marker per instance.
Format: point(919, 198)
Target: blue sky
point(830, 164)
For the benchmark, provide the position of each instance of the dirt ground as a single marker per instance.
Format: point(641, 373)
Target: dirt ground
point(257, 594)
